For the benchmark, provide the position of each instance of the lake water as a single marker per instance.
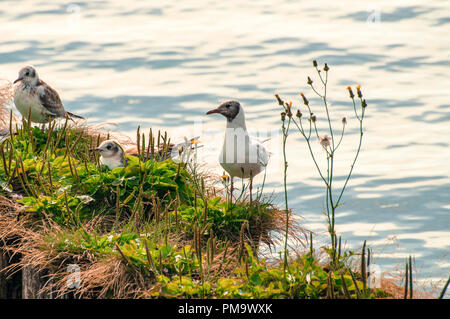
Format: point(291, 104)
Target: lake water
point(163, 65)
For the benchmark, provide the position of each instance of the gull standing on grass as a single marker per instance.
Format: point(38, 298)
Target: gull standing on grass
point(241, 156)
point(112, 154)
point(35, 96)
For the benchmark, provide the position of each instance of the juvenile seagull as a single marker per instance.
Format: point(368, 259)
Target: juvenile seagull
point(175, 151)
point(241, 156)
point(112, 153)
point(33, 93)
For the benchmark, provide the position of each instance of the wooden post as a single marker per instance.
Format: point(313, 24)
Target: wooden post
point(32, 283)
point(3, 283)
point(10, 284)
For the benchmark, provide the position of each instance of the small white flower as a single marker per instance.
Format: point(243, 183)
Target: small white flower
point(308, 278)
point(110, 237)
point(178, 258)
point(290, 278)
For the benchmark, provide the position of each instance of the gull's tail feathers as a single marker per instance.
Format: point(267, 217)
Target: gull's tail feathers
point(74, 116)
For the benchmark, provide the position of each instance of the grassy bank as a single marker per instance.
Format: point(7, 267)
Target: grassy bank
point(152, 229)
point(157, 228)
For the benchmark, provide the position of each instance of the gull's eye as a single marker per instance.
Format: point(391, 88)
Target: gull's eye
point(108, 147)
point(228, 105)
point(27, 73)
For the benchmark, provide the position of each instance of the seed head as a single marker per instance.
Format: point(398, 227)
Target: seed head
point(313, 118)
point(283, 116)
point(358, 91)
point(309, 81)
point(349, 88)
point(280, 101)
point(325, 141)
point(363, 103)
point(326, 68)
point(288, 109)
point(299, 114)
point(314, 63)
point(344, 120)
point(305, 100)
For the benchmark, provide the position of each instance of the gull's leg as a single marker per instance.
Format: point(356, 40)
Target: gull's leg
point(231, 189)
point(251, 186)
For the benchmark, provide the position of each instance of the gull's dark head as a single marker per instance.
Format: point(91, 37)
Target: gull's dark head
point(229, 109)
point(27, 74)
point(109, 148)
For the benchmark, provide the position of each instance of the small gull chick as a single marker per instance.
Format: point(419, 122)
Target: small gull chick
point(178, 152)
point(111, 154)
point(34, 94)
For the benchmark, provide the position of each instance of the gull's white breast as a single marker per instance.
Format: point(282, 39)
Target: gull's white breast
point(26, 98)
point(111, 162)
point(241, 156)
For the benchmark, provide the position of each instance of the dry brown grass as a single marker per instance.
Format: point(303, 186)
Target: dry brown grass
point(101, 276)
point(6, 94)
point(14, 232)
point(27, 237)
point(390, 285)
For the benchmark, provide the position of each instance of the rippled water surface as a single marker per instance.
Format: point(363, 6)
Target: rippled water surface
point(163, 65)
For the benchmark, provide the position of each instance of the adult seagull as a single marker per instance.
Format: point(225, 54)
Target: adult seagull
point(241, 156)
point(33, 94)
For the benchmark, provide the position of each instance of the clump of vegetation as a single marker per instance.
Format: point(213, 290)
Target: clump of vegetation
point(308, 129)
point(159, 219)
point(155, 228)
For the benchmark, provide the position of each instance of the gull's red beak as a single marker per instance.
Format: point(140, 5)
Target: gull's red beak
point(213, 111)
